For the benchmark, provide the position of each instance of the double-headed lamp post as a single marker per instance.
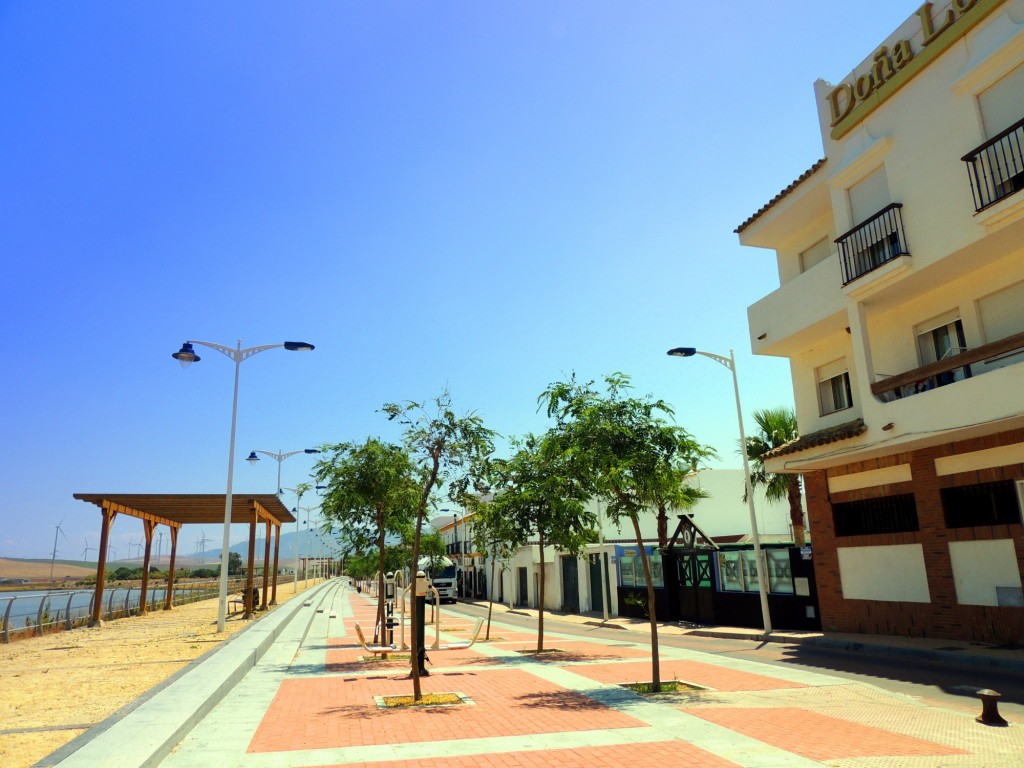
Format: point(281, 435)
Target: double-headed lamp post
point(762, 582)
point(186, 356)
point(252, 458)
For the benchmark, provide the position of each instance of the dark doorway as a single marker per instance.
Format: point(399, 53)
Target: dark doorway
point(696, 587)
point(570, 584)
point(522, 598)
point(596, 592)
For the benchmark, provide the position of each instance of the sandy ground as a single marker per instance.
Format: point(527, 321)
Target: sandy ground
point(57, 686)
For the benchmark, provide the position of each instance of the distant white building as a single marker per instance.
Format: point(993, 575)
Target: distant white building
point(570, 587)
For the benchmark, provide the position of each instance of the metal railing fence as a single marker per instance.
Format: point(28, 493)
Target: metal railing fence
point(41, 612)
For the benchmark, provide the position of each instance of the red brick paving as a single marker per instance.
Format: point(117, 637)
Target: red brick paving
point(312, 713)
point(665, 753)
point(319, 713)
point(572, 650)
point(708, 675)
point(816, 736)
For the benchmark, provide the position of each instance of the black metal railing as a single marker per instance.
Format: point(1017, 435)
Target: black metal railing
point(872, 243)
point(996, 168)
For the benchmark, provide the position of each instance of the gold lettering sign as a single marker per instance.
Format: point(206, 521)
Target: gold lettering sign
point(892, 68)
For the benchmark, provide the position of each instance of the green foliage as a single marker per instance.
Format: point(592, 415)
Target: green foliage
point(206, 573)
point(361, 566)
point(432, 545)
point(447, 448)
point(634, 457)
point(371, 492)
point(775, 428)
point(234, 564)
point(542, 490)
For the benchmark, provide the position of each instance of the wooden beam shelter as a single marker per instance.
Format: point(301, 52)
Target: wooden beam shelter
point(176, 511)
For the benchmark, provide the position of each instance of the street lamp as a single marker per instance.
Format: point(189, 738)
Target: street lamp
point(305, 575)
point(186, 356)
point(252, 458)
point(762, 583)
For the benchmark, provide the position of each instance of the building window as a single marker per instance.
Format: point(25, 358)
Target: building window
point(631, 571)
point(816, 254)
point(885, 514)
point(996, 168)
point(737, 571)
point(968, 506)
point(780, 572)
point(834, 393)
point(938, 340)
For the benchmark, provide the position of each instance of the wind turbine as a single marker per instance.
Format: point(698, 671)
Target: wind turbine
point(202, 547)
point(53, 559)
point(87, 550)
point(111, 552)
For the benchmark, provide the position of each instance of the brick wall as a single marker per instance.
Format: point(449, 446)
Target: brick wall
point(943, 617)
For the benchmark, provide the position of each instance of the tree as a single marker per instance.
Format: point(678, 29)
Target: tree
point(776, 427)
point(539, 490)
point(234, 564)
point(448, 449)
point(636, 458)
point(371, 492)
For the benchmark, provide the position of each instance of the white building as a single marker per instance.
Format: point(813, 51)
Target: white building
point(901, 311)
point(573, 584)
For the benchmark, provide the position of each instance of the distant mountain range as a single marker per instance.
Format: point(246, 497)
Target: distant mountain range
point(187, 556)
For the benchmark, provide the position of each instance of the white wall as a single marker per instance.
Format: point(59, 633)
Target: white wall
point(981, 566)
point(887, 574)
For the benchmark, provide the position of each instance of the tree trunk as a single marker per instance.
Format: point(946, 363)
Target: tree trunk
point(417, 692)
point(381, 588)
point(662, 526)
point(540, 597)
point(796, 512)
point(490, 596)
point(655, 660)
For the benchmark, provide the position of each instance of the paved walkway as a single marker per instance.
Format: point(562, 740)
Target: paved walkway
point(306, 694)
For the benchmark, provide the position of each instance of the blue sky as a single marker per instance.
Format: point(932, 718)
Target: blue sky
point(486, 196)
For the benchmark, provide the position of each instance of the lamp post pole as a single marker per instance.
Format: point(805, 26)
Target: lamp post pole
point(305, 573)
point(298, 500)
point(252, 458)
point(186, 356)
point(762, 582)
point(280, 457)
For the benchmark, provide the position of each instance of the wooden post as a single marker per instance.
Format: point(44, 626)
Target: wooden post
point(169, 597)
point(101, 566)
point(277, 551)
point(249, 575)
point(266, 566)
point(148, 526)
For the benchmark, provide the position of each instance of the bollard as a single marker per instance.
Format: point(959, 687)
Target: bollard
point(990, 708)
point(421, 614)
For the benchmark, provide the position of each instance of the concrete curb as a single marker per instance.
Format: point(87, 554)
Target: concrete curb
point(925, 654)
point(145, 734)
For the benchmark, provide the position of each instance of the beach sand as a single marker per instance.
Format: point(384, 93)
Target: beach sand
point(57, 686)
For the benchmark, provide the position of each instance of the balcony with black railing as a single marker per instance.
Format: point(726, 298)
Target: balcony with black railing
point(996, 168)
point(872, 243)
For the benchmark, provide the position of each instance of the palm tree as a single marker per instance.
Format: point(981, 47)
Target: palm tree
point(776, 427)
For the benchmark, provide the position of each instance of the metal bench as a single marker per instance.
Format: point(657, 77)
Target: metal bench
point(377, 650)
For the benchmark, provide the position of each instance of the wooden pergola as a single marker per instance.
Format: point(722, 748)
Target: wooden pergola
point(177, 509)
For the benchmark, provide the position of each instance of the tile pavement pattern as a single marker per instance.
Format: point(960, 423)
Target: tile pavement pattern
point(311, 703)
